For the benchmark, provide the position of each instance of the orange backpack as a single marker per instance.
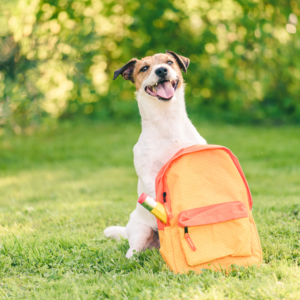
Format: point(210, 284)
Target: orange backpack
point(208, 203)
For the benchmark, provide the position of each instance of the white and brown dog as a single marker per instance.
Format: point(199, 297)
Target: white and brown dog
point(166, 129)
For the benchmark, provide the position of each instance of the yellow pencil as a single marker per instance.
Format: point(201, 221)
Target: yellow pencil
point(156, 208)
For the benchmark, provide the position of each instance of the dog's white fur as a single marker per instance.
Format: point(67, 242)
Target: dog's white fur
point(166, 129)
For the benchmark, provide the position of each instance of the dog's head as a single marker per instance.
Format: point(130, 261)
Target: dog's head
point(158, 76)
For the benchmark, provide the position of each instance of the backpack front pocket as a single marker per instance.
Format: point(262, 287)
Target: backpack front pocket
point(215, 231)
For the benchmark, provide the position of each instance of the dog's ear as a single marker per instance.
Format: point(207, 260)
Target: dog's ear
point(181, 60)
point(127, 70)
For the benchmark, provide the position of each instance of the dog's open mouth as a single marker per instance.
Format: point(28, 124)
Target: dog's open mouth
point(163, 90)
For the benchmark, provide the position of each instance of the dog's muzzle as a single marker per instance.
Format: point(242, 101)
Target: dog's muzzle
point(163, 89)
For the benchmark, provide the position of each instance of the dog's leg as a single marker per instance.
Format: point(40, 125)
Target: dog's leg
point(140, 237)
point(141, 229)
point(115, 232)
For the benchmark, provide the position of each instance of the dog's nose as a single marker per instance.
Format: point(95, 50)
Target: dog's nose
point(161, 72)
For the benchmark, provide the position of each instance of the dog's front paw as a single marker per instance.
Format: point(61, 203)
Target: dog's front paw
point(130, 252)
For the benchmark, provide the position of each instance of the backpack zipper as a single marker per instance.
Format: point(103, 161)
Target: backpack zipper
point(188, 239)
point(167, 206)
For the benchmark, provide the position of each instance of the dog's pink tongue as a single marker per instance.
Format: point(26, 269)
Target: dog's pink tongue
point(165, 90)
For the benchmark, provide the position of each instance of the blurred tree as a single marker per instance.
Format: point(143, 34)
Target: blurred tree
point(57, 57)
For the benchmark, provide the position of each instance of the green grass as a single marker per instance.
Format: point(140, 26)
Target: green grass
point(59, 190)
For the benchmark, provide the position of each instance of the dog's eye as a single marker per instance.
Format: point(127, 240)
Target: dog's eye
point(170, 62)
point(144, 69)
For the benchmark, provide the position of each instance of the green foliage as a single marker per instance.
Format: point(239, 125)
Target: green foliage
point(57, 57)
point(61, 188)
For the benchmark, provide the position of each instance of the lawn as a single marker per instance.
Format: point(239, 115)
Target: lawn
point(59, 189)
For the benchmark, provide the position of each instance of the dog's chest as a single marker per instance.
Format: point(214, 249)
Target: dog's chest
point(151, 154)
point(160, 141)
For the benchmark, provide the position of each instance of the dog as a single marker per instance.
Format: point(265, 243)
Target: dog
point(166, 129)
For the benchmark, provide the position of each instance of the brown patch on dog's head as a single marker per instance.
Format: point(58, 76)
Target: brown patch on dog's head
point(138, 70)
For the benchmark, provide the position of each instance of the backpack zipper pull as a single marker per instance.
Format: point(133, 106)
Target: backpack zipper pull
point(167, 207)
point(188, 239)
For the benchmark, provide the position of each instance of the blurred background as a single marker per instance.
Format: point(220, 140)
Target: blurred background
point(57, 58)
